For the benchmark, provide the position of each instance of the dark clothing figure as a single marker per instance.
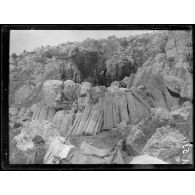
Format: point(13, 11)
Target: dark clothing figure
point(39, 154)
point(63, 75)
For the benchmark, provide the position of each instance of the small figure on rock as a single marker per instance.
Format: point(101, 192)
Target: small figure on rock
point(37, 156)
point(63, 74)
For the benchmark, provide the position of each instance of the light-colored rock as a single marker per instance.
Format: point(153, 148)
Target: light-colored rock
point(166, 142)
point(66, 124)
point(43, 112)
point(22, 93)
point(145, 159)
point(161, 114)
point(50, 114)
point(181, 113)
point(58, 118)
point(108, 111)
point(124, 82)
point(113, 89)
point(56, 151)
point(174, 84)
point(45, 129)
point(85, 88)
point(69, 90)
point(170, 44)
point(13, 111)
point(83, 101)
point(187, 90)
point(33, 108)
point(52, 91)
point(96, 93)
point(115, 83)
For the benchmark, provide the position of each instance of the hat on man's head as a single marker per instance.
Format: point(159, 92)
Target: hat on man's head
point(38, 139)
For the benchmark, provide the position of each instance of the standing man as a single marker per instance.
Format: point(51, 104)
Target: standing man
point(37, 156)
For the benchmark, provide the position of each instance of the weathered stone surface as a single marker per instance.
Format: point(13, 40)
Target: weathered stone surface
point(181, 113)
point(13, 111)
point(43, 112)
point(115, 108)
point(74, 128)
point(132, 108)
point(66, 124)
point(183, 119)
point(161, 114)
point(45, 129)
point(22, 93)
point(50, 114)
point(162, 51)
point(141, 131)
point(33, 108)
point(123, 107)
point(96, 93)
point(69, 90)
point(108, 118)
point(52, 90)
point(166, 142)
point(124, 82)
point(130, 81)
point(84, 120)
point(115, 83)
point(112, 89)
point(174, 84)
point(103, 140)
point(136, 137)
point(36, 114)
point(83, 102)
point(187, 90)
point(56, 151)
point(85, 88)
point(96, 120)
point(58, 118)
point(147, 64)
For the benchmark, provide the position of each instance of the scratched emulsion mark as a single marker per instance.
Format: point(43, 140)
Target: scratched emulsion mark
point(187, 147)
point(187, 151)
point(190, 58)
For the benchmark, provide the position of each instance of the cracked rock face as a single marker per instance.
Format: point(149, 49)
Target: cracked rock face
point(165, 143)
point(52, 90)
point(104, 61)
point(94, 86)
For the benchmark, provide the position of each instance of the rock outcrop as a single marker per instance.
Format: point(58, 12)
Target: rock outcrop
point(139, 86)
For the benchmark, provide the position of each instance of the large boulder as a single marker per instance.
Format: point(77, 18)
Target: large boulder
point(70, 90)
point(140, 132)
point(85, 88)
point(166, 142)
point(13, 111)
point(174, 84)
point(52, 93)
point(48, 131)
point(22, 93)
point(104, 140)
point(57, 150)
point(96, 93)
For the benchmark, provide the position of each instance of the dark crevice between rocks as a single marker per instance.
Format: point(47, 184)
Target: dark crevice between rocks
point(181, 99)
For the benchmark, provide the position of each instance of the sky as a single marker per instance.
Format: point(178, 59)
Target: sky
point(30, 39)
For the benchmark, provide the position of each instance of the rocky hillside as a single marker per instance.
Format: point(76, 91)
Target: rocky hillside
point(102, 61)
point(124, 84)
